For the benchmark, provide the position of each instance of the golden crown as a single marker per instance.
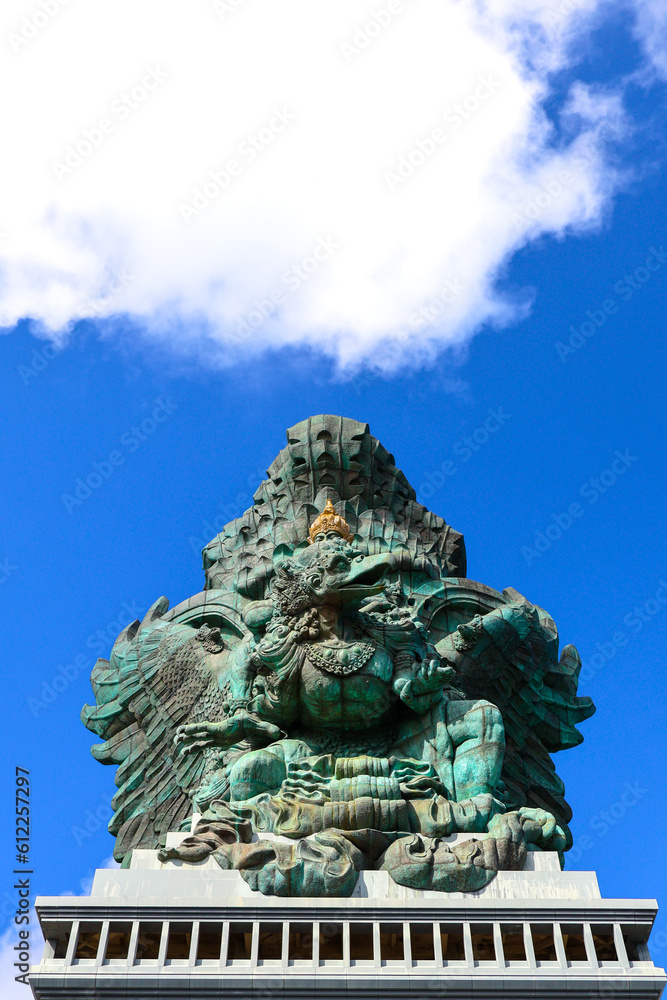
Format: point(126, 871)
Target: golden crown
point(329, 520)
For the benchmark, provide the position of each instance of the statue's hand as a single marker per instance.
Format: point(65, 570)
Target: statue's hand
point(196, 736)
point(432, 675)
point(529, 826)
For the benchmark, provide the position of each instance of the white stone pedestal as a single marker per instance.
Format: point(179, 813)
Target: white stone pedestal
point(535, 933)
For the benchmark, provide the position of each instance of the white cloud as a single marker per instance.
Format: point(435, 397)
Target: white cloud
point(651, 30)
point(86, 883)
point(9, 988)
point(401, 142)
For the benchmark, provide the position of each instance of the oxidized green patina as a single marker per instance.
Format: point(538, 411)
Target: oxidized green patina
point(340, 697)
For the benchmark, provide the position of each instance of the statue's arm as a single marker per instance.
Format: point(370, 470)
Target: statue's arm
point(262, 701)
point(242, 677)
point(276, 661)
point(274, 701)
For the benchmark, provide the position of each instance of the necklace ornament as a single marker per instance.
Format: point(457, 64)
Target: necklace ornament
point(342, 658)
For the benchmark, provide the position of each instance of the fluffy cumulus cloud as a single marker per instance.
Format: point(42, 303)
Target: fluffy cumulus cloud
point(651, 31)
point(240, 175)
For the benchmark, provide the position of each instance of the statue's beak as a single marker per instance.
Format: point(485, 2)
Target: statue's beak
point(366, 577)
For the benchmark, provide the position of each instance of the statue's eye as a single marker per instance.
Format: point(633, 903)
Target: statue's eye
point(315, 581)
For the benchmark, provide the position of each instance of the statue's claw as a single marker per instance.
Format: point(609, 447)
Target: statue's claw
point(540, 828)
point(196, 736)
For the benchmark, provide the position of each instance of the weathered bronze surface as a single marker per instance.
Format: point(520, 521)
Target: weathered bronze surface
point(340, 697)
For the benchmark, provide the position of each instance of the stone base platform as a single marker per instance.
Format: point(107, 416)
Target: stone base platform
point(193, 931)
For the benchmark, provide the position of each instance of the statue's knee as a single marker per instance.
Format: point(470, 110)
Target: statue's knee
point(494, 730)
point(256, 772)
point(476, 722)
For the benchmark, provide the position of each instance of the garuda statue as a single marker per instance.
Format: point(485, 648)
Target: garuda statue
point(340, 697)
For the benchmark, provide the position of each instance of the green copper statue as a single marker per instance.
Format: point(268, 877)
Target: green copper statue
point(340, 697)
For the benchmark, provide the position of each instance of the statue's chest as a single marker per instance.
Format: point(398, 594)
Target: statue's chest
point(363, 680)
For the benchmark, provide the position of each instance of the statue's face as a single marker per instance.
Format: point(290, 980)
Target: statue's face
point(415, 858)
point(314, 576)
point(424, 863)
point(328, 536)
point(325, 565)
point(422, 852)
point(327, 572)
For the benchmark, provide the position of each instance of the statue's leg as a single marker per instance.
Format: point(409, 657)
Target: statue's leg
point(478, 736)
point(426, 738)
point(464, 741)
point(256, 772)
point(263, 770)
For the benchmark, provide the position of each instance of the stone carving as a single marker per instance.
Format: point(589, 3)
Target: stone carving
point(340, 697)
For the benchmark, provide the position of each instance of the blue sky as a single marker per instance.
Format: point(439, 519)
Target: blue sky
point(562, 499)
